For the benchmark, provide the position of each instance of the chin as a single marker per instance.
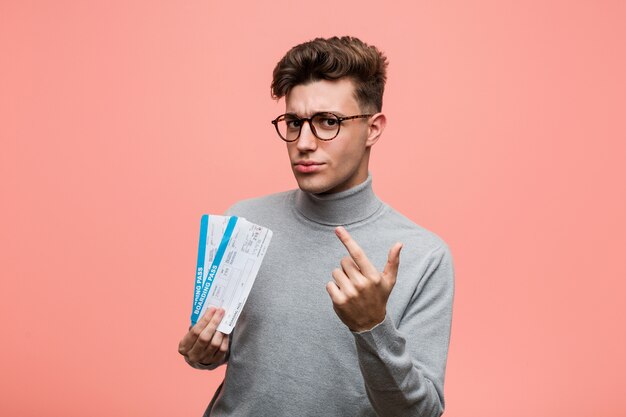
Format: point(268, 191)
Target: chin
point(313, 185)
point(319, 186)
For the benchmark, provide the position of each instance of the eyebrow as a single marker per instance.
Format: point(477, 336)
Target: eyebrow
point(338, 113)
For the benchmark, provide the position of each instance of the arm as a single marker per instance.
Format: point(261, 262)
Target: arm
point(402, 364)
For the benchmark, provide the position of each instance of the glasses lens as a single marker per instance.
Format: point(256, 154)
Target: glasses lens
point(288, 127)
point(326, 125)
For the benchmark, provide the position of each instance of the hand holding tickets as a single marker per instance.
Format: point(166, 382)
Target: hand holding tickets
point(203, 345)
point(230, 253)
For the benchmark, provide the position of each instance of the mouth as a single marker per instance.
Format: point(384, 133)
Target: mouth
point(308, 166)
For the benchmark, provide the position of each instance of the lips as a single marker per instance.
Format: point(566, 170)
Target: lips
point(308, 166)
point(307, 163)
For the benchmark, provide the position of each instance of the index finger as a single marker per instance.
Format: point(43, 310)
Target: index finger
point(192, 335)
point(356, 253)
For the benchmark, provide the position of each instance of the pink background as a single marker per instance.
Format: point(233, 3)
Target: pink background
point(123, 121)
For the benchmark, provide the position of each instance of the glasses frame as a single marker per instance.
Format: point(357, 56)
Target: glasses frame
point(340, 120)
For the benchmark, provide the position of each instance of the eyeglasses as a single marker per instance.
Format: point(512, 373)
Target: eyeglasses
point(324, 125)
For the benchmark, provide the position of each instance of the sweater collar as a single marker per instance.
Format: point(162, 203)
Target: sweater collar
point(346, 207)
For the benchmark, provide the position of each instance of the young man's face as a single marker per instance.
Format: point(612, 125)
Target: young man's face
point(338, 164)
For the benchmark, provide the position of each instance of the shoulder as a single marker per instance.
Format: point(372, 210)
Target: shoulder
point(426, 259)
point(418, 237)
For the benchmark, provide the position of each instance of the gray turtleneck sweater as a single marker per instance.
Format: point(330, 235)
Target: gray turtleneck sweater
point(290, 355)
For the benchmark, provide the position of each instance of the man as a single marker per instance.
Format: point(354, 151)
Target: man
point(335, 324)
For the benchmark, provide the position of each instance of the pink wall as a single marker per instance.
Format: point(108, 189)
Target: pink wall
point(123, 121)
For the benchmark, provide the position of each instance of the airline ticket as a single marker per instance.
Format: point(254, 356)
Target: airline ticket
point(230, 253)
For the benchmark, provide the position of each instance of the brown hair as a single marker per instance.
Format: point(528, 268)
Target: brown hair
point(332, 59)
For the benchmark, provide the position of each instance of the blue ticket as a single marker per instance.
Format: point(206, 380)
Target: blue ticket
point(230, 253)
point(208, 266)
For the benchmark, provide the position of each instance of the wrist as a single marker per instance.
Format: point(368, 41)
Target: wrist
point(368, 326)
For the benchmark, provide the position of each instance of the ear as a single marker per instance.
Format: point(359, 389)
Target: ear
point(376, 126)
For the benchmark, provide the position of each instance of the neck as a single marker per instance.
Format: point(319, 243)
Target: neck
point(342, 208)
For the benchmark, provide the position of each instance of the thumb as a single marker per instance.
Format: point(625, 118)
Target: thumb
point(393, 262)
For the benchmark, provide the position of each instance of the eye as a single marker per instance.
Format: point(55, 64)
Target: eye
point(293, 123)
point(326, 121)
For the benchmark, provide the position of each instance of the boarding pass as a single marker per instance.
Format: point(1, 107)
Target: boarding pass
point(230, 253)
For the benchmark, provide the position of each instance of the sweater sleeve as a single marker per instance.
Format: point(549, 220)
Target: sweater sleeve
point(403, 364)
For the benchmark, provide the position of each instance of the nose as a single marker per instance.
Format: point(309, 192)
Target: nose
point(307, 141)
